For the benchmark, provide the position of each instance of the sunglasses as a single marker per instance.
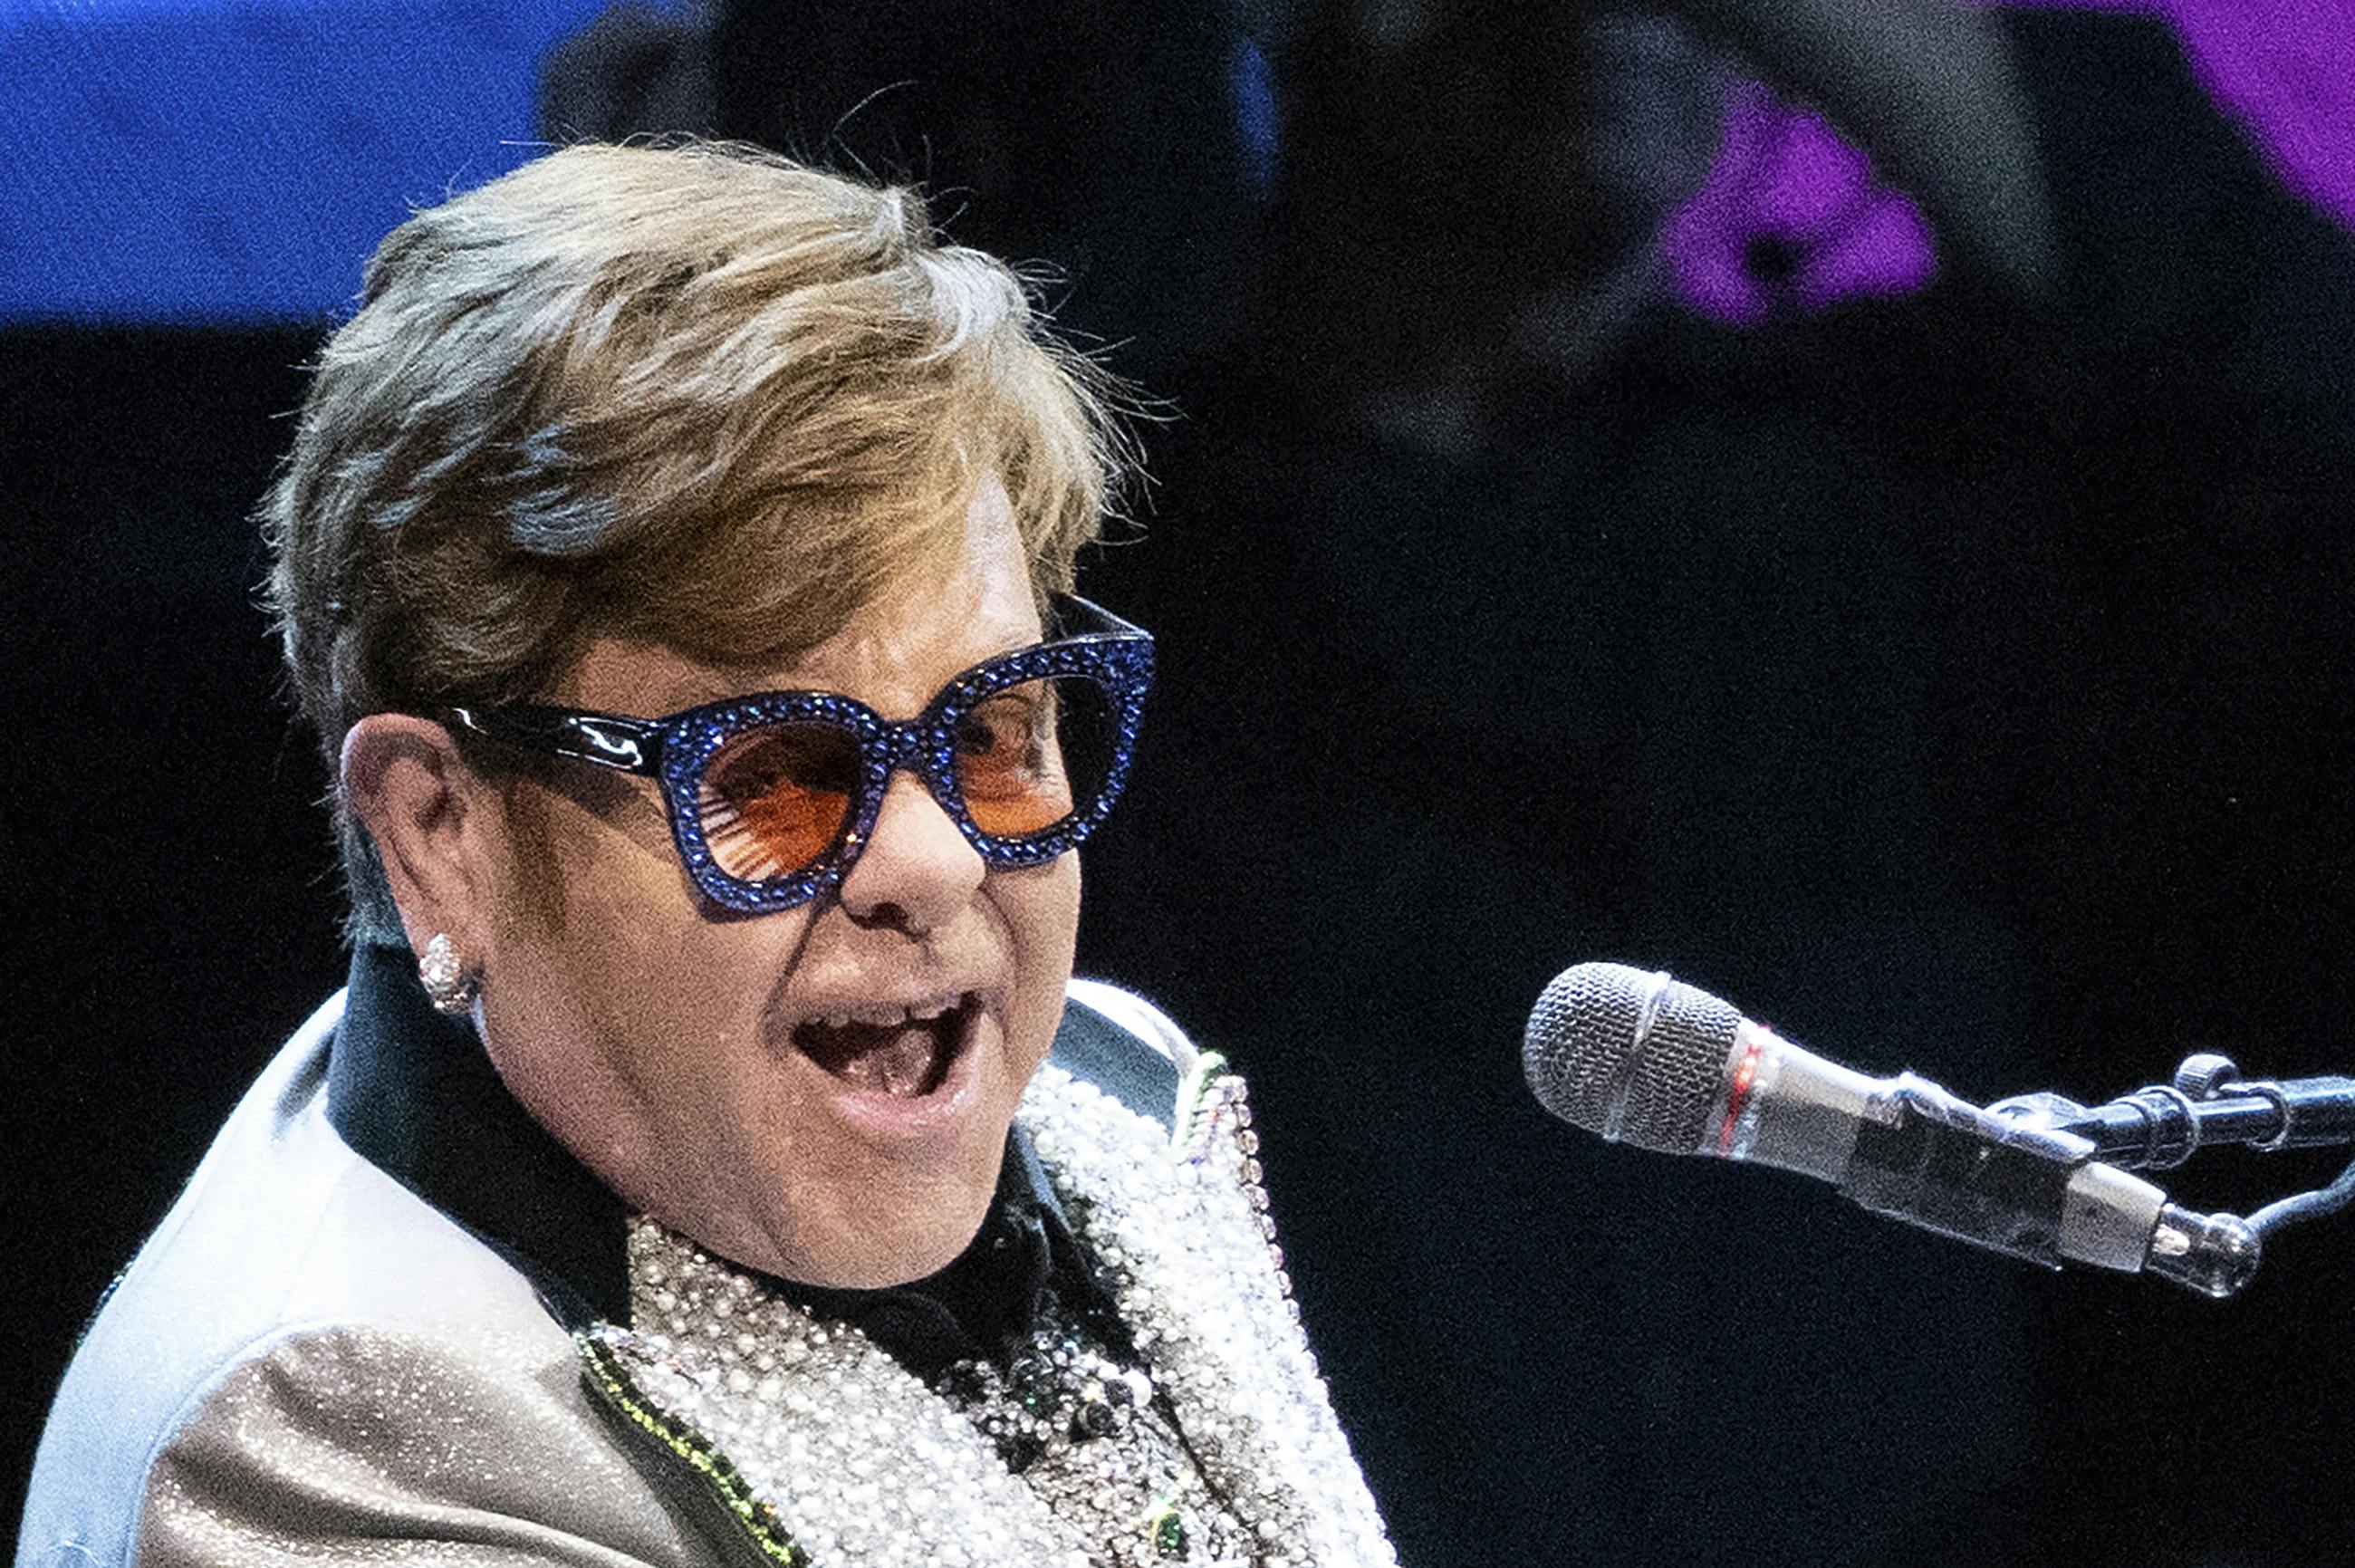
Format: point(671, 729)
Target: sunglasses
point(773, 795)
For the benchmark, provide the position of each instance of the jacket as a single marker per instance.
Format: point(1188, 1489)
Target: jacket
point(312, 1361)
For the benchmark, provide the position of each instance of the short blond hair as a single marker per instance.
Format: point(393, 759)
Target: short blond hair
point(698, 394)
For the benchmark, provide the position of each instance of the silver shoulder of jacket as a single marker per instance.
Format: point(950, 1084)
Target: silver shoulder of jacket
point(1138, 1017)
point(353, 1444)
point(306, 1362)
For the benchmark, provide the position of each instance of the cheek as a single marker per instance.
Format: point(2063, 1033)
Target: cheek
point(571, 864)
point(613, 968)
point(637, 1041)
point(1040, 909)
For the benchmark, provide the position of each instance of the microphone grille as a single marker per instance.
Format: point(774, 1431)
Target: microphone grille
point(1592, 1061)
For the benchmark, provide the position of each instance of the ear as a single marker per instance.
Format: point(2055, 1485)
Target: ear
point(435, 825)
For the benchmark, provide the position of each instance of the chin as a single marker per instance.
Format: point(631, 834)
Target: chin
point(883, 1232)
point(878, 1259)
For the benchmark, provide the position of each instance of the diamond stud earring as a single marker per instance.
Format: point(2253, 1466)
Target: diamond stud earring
point(448, 985)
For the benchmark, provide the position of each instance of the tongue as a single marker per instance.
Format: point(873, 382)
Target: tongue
point(906, 1060)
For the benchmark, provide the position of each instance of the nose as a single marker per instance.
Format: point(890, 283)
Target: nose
point(916, 870)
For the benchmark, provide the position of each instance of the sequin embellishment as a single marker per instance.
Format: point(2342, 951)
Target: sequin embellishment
point(1098, 1445)
point(758, 1517)
point(857, 1461)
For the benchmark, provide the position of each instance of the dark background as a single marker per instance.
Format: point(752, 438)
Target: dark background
point(1960, 681)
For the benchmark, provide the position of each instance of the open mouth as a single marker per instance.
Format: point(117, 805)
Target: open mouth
point(903, 1053)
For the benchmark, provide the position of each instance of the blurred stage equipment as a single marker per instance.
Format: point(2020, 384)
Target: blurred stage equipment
point(1928, 87)
point(1162, 169)
point(1641, 1058)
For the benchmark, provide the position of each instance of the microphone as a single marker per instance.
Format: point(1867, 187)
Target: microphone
point(1644, 1059)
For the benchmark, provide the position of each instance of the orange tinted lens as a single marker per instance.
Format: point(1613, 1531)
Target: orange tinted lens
point(1016, 755)
point(777, 798)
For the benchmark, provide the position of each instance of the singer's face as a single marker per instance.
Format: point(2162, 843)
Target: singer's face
point(822, 1093)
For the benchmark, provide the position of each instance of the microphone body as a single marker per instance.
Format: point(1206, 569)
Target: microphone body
point(1644, 1059)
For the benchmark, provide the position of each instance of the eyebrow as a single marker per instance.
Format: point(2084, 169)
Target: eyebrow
point(705, 690)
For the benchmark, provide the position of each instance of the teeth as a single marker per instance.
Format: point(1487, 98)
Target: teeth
point(886, 1014)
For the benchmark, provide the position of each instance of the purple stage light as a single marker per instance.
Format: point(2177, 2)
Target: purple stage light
point(1791, 219)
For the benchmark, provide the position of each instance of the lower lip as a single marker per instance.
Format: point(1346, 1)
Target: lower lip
point(920, 1119)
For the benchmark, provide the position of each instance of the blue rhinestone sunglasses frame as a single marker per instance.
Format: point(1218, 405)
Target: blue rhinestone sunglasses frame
point(1091, 643)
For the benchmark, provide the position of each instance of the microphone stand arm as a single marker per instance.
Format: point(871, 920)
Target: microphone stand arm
point(2159, 1128)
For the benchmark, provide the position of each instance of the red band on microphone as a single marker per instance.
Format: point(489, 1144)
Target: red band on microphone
point(1752, 1041)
